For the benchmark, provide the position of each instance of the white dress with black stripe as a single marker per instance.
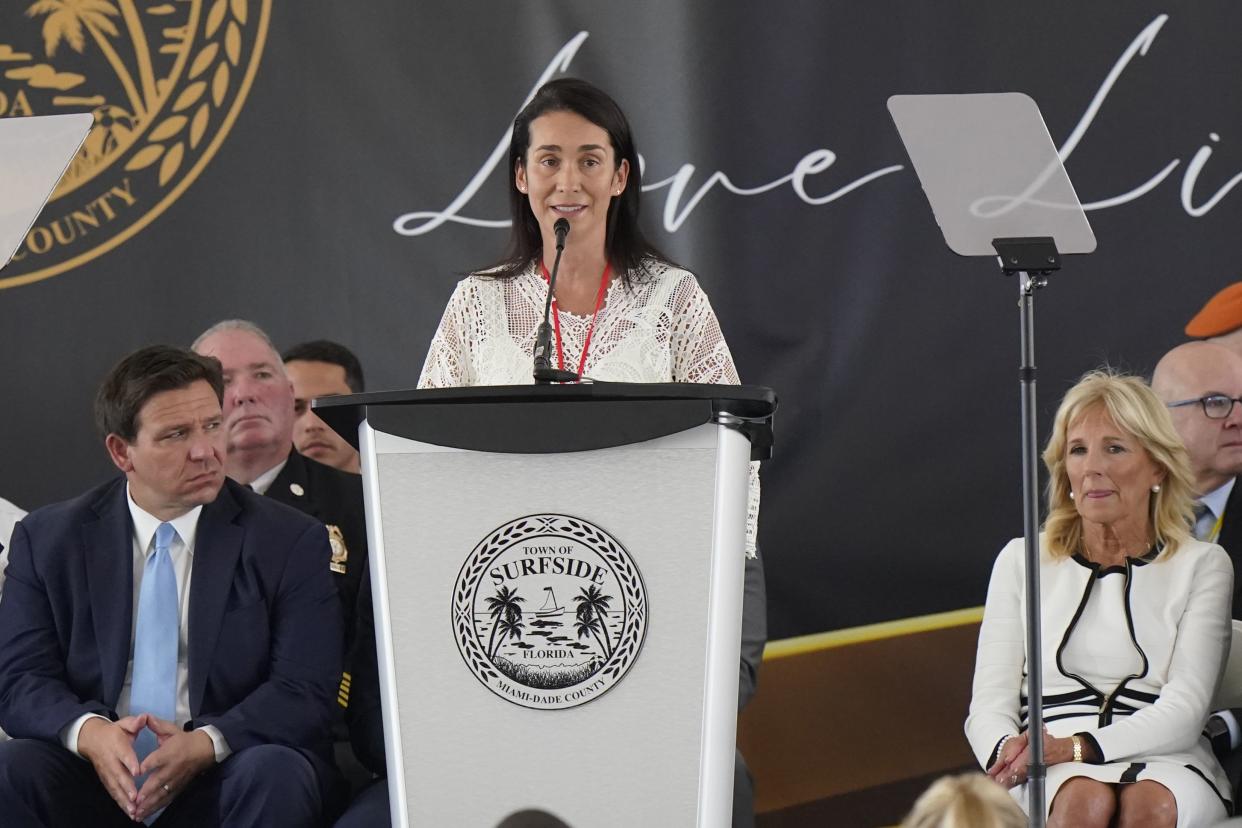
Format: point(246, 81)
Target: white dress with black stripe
point(1131, 658)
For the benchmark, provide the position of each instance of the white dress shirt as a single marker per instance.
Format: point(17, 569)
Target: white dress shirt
point(264, 481)
point(182, 553)
point(9, 516)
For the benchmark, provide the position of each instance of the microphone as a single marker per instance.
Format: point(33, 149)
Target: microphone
point(543, 372)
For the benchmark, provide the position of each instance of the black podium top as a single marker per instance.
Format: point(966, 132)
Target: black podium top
point(544, 419)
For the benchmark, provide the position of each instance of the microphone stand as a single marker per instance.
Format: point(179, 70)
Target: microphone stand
point(543, 372)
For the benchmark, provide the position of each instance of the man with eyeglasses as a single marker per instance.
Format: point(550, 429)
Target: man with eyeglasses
point(1201, 383)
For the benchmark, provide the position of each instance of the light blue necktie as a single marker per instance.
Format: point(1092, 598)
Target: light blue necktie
point(153, 688)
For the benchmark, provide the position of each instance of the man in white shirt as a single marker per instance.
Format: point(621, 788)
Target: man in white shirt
point(175, 630)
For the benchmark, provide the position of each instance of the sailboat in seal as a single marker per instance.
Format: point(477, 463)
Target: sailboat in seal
point(550, 608)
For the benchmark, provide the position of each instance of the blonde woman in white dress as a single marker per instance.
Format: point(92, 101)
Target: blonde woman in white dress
point(1135, 623)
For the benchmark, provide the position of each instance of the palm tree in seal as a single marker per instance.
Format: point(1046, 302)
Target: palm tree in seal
point(510, 625)
point(588, 624)
point(504, 607)
point(593, 607)
point(70, 20)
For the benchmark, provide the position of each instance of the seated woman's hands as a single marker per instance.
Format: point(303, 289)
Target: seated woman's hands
point(1010, 766)
point(1013, 764)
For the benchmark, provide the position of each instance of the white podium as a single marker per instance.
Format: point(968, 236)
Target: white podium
point(557, 574)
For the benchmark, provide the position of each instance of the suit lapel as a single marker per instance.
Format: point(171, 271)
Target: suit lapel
point(217, 548)
point(1231, 521)
point(109, 545)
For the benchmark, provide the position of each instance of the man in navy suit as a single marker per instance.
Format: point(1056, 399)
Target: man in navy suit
point(1201, 382)
point(256, 648)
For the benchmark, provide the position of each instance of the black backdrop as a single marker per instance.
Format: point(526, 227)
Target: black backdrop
point(896, 475)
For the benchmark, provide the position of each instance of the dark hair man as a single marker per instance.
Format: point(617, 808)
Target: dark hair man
point(322, 368)
point(170, 627)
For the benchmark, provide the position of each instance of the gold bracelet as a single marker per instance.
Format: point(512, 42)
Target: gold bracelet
point(1077, 748)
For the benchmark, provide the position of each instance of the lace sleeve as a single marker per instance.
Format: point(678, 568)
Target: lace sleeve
point(700, 354)
point(448, 359)
point(752, 511)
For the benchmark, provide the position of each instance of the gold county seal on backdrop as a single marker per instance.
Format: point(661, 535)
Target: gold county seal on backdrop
point(165, 81)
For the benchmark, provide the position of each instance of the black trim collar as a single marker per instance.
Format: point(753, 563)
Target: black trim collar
point(1100, 571)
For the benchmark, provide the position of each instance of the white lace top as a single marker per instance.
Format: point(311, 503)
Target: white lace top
point(661, 330)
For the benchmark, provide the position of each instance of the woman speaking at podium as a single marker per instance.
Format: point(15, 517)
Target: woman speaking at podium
point(621, 310)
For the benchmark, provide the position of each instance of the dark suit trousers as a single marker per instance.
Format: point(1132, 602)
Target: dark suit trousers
point(45, 786)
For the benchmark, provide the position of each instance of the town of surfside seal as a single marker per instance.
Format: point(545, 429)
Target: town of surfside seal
point(549, 611)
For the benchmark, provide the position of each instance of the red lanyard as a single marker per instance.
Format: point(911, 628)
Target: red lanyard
point(599, 301)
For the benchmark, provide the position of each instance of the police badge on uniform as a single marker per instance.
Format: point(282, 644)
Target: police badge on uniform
point(340, 552)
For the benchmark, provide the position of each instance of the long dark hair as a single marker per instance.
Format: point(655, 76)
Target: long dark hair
point(624, 243)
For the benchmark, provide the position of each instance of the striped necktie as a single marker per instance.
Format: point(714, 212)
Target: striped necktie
point(1205, 521)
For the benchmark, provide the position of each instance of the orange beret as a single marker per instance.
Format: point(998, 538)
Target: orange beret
point(1222, 314)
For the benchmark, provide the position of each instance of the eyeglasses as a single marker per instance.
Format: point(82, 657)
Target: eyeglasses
point(1215, 406)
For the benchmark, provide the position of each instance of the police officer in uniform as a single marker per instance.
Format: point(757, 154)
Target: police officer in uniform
point(258, 420)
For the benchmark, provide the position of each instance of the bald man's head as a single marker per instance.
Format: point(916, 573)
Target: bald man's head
point(1188, 374)
point(1231, 340)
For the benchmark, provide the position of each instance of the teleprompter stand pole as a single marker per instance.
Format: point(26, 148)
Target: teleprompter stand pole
point(996, 185)
point(1032, 259)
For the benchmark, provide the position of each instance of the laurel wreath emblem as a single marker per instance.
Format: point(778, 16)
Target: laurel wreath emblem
point(219, 55)
point(165, 81)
